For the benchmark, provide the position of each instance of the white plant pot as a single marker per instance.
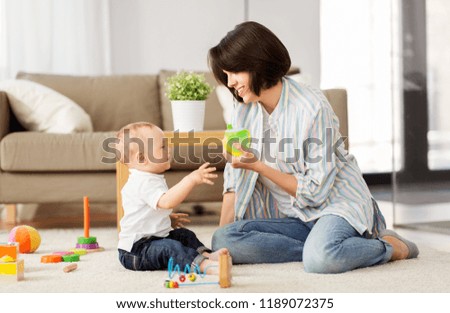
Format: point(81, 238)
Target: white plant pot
point(188, 115)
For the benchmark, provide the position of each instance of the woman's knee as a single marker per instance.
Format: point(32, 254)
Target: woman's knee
point(224, 237)
point(324, 260)
point(219, 239)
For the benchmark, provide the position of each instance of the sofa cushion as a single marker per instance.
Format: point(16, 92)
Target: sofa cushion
point(111, 101)
point(41, 152)
point(213, 118)
point(39, 108)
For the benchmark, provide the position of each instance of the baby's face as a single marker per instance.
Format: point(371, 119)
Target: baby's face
point(157, 156)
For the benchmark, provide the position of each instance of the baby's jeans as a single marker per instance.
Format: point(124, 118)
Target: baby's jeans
point(153, 253)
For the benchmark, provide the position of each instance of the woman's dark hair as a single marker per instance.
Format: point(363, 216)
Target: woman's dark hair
point(250, 47)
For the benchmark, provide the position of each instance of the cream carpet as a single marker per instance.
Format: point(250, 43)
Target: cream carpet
point(102, 272)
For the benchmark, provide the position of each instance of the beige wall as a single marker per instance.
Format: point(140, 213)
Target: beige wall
point(147, 36)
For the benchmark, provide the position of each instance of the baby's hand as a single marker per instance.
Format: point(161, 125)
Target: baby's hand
point(178, 219)
point(203, 175)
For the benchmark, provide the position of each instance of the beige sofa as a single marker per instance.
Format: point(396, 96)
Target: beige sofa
point(54, 168)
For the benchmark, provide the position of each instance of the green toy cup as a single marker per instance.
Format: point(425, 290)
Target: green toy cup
point(241, 136)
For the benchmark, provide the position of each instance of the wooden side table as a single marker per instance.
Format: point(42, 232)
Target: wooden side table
point(203, 138)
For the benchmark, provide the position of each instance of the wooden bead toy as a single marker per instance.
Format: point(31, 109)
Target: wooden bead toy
point(225, 267)
point(171, 284)
point(192, 277)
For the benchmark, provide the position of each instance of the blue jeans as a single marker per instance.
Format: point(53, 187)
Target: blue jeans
point(153, 253)
point(331, 245)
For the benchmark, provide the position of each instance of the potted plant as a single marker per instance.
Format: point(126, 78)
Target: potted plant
point(187, 92)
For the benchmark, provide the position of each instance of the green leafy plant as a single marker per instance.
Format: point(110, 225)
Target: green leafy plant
point(187, 86)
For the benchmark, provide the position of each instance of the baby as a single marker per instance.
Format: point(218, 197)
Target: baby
point(147, 239)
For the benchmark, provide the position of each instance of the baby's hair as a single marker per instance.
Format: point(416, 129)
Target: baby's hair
point(133, 129)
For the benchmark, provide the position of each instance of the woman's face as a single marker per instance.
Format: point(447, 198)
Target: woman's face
point(241, 82)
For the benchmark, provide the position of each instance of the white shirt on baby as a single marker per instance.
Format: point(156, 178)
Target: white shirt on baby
point(142, 217)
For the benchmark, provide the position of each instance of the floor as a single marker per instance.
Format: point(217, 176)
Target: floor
point(413, 208)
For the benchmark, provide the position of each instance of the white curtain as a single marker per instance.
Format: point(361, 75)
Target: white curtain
point(54, 36)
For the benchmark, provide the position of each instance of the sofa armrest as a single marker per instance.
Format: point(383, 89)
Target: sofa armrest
point(4, 115)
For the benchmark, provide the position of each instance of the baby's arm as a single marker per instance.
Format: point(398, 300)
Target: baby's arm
point(175, 195)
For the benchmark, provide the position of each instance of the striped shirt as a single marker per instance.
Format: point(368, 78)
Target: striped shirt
point(328, 181)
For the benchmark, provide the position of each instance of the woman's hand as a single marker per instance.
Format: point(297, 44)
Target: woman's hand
point(178, 220)
point(246, 160)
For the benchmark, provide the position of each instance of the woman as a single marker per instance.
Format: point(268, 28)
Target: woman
point(291, 196)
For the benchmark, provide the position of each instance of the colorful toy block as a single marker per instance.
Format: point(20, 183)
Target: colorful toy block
point(13, 269)
point(11, 249)
point(225, 265)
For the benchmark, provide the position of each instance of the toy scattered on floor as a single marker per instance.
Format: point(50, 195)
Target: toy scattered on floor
point(79, 251)
point(71, 258)
point(170, 284)
point(192, 277)
point(6, 259)
point(70, 267)
point(14, 269)
point(10, 249)
point(225, 265)
point(87, 242)
point(64, 253)
point(27, 237)
point(57, 258)
point(224, 274)
point(10, 265)
point(51, 258)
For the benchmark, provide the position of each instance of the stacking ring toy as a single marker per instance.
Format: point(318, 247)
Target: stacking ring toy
point(71, 258)
point(51, 258)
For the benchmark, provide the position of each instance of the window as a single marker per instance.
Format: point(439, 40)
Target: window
point(360, 52)
point(438, 80)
